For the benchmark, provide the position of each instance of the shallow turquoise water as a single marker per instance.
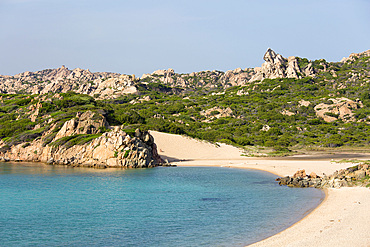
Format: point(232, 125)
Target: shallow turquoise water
point(43, 205)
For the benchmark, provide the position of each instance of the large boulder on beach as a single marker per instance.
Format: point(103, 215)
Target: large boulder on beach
point(313, 175)
point(360, 174)
point(300, 174)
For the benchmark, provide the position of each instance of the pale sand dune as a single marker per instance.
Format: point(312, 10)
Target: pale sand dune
point(180, 147)
point(341, 220)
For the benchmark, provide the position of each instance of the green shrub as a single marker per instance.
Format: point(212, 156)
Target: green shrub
point(331, 114)
point(70, 141)
point(126, 154)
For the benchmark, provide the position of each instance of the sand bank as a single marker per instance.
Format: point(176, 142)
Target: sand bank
point(341, 220)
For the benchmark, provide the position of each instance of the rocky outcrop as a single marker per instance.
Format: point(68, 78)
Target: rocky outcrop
point(101, 85)
point(287, 113)
point(80, 142)
point(84, 123)
point(354, 56)
point(113, 85)
point(217, 112)
point(341, 108)
point(276, 66)
point(35, 109)
point(111, 149)
point(354, 176)
point(304, 103)
point(163, 76)
point(207, 79)
point(236, 77)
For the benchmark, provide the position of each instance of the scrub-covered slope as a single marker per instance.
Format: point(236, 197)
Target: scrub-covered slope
point(287, 103)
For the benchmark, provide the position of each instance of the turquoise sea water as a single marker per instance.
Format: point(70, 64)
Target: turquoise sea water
point(43, 205)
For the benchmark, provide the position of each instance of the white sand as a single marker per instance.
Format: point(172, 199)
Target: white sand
point(343, 219)
point(180, 147)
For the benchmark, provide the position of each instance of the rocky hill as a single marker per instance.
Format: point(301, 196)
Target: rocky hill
point(106, 85)
point(286, 104)
point(86, 140)
point(112, 85)
point(275, 66)
point(61, 80)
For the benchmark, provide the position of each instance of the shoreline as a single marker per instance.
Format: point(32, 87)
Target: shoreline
point(305, 215)
point(326, 193)
point(339, 220)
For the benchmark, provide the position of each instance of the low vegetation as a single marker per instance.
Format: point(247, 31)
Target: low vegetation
point(257, 118)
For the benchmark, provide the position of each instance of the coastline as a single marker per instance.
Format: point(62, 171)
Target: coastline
point(340, 219)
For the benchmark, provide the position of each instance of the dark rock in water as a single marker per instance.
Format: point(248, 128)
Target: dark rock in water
point(295, 182)
point(100, 166)
point(212, 199)
point(303, 183)
point(86, 165)
point(169, 165)
point(285, 180)
point(315, 182)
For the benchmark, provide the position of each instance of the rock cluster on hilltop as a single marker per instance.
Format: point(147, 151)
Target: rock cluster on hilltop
point(354, 176)
point(207, 79)
point(71, 146)
point(354, 56)
point(276, 66)
point(112, 85)
point(61, 80)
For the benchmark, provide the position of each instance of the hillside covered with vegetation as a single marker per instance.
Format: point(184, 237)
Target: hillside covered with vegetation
point(329, 109)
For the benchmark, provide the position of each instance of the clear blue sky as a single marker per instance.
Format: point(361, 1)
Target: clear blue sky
point(136, 37)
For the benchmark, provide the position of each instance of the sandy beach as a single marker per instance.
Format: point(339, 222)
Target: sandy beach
point(340, 220)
